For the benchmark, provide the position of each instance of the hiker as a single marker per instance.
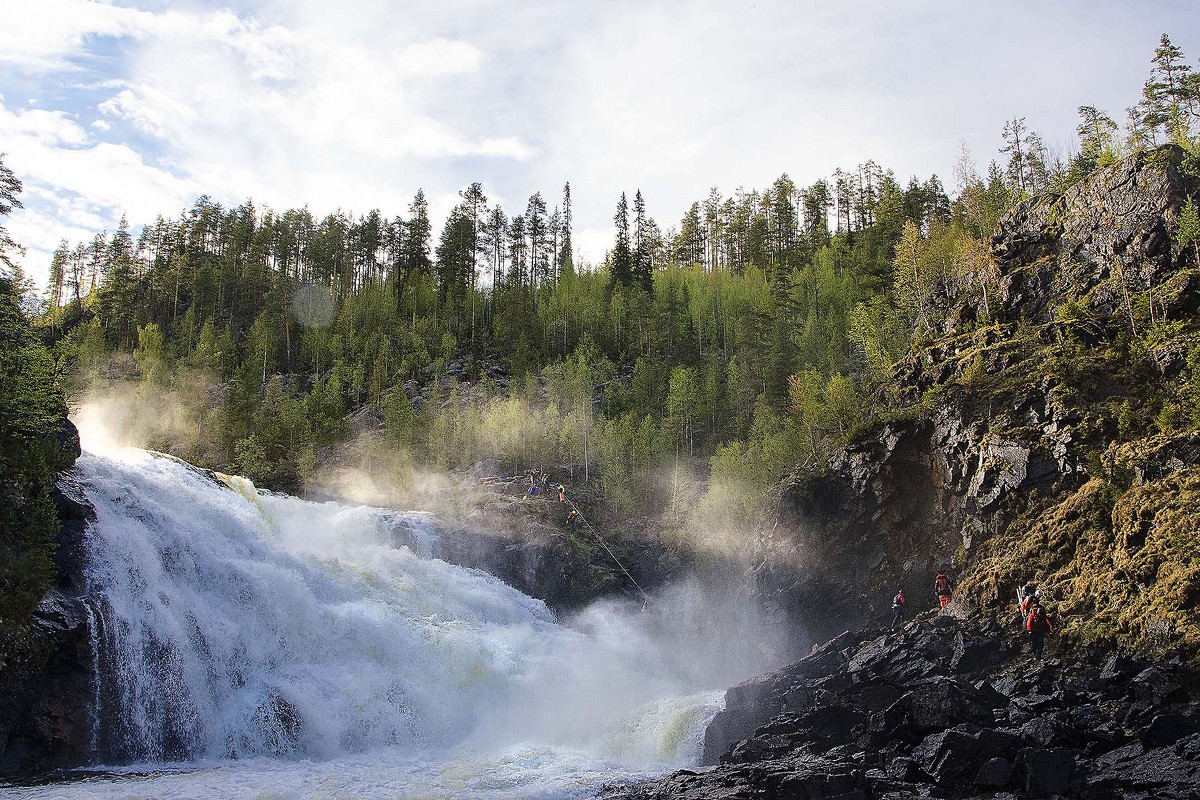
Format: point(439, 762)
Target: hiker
point(562, 493)
point(532, 491)
point(898, 609)
point(1032, 599)
point(941, 585)
point(1038, 626)
point(572, 518)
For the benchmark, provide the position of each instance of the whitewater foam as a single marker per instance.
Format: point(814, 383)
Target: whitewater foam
point(320, 646)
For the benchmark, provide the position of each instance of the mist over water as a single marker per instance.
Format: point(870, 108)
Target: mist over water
point(268, 646)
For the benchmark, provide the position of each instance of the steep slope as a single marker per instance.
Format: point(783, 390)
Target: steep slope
point(1050, 438)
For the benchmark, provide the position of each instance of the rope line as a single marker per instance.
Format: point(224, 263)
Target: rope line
point(599, 539)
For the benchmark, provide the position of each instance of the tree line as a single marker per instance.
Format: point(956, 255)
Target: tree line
point(741, 343)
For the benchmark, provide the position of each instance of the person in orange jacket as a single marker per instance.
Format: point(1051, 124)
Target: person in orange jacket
point(1038, 626)
point(945, 591)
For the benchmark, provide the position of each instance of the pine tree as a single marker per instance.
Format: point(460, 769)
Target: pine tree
point(495, 236)
point(58, 273)
point(1167, 93)
point(474, 206)
point(537, 228)
point(1027, 170)
point(641, 266)
point(622, 255)
point(418, 230)
point(10, 187)
point(1096, 134)
point(455, 257)
point(816, 202)
point(566, 258)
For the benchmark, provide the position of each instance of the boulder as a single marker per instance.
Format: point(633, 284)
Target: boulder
point(948, 757)
point(46, 688)
point(1152, 686)
point(994, 774)
point(939, 702)
point(1119, 668)
point(1168, 728)
point(1045, 771)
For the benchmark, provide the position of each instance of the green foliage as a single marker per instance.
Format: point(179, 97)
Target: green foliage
point(1187, 230)
point(32, 420)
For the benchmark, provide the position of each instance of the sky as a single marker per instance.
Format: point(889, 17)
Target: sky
point(138, 108)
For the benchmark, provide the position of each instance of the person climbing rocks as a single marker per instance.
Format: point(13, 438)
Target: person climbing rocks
point(898, 609)
point(945, 591)
point(572, 518)
point(1038, 626)
point(1032, 598)
point(562, 493)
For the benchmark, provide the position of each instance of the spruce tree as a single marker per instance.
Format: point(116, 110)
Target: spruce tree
point(566, 258)
point(641, 270)
point(622, 255)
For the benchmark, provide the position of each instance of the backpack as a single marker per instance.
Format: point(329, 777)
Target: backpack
point(898, 600)
point(943, 584)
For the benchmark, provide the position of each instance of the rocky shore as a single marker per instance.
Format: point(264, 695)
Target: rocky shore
point(950, 708)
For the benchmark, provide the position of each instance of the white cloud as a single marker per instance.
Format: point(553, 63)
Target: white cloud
point(298, 102)
point(592, 243)
point(439, 57)
point(48, 128)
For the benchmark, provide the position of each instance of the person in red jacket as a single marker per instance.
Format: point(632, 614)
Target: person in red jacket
point(1038, 626)
point(1031, 599)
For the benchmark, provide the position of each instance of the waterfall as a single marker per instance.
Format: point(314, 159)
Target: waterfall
point(231, 623)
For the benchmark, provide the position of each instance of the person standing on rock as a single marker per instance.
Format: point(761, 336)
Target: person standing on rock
point(945, 591)
point(1038, 626)
point(898, 609)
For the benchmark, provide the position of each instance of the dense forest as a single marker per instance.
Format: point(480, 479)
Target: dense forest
point(717, 354)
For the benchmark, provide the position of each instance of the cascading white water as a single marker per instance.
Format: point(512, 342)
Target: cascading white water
point(251, 626)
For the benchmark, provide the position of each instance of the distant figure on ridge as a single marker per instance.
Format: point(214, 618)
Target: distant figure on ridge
point(1038, 626)
point(945, 592)
point(898, 609)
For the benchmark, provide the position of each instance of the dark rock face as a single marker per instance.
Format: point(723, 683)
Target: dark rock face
point(46, 670)
point(46, 688)
point(866, 727)
point(1052, 249)
point(918, 494)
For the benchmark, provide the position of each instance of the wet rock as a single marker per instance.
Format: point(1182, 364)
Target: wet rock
point(939, 702)
point(903, 768)
point(1045, 771)
point(1152, 686)
point(1168, 772)
point(994, 774)
point(45, 688)
point(948, 757)
point(1168, 728)
point(1119, 667)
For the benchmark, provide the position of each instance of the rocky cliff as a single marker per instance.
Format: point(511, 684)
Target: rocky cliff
point(946, 708)
point(1051, 437)
point(46, 680)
